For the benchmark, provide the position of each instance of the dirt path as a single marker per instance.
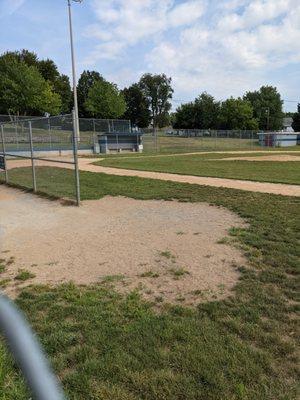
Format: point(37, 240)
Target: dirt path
point(86, 164)
point(167, 249)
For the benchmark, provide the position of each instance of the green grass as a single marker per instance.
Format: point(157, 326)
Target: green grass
point(107, 346)
point(211, 165)
point(24, 275)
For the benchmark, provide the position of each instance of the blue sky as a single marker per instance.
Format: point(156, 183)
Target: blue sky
point(224, 47)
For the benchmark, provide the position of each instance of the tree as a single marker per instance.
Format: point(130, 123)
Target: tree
point(86, 81)
point(201, 114)
point(23, 90)
point(25, 56)
point(296, 120)
point(267, 107)
point(50, 102)
point(105, 100)
point(137, 106)
point(158, 91)
point(59, 83)
point(63, 88)
point(206, 112)
point(237, 114)
point(48, 70)
point(184, 117)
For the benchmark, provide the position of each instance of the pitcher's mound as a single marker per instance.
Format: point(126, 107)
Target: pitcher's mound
point(169, 251)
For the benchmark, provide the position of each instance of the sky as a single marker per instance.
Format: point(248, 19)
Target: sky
point(223, 47)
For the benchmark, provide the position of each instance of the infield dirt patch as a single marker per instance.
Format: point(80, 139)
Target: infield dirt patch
point(271, 157)
point(170, 251)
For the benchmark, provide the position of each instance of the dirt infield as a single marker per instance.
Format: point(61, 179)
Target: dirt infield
point(271, 157)
point(168, 250)
point(86, 164)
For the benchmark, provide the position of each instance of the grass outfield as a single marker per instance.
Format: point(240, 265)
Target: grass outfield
point(211, 165)
point(105, 346)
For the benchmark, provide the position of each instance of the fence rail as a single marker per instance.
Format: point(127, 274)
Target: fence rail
point(188, 140)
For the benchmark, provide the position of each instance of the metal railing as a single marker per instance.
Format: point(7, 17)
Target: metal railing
point(28, 353)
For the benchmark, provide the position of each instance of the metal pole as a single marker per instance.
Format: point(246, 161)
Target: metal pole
point(75, 152)
point(32, 157)
point(77, 130)
point(4, 153)
point(28, 353)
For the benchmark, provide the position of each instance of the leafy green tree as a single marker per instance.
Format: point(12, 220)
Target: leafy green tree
point(158, 91)
point(60, 83)
point(50, 101)
point(86, 81)
point(105, 100)
point(203, 113)
point(48, 70)
point(184, 117)
point(24, 91)
point(206, 111)
point(237, 114)
point(137, 106)
point(63, 88)
point(296, 120)
point(267, 107)
point(25, 56)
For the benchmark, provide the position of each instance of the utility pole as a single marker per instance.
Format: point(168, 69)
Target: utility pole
point(77, 130)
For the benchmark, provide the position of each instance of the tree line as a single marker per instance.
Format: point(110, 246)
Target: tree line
point(30, 86)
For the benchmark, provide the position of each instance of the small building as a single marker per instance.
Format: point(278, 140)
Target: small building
point(287, 124)
point(118, 142)
point(278, 139)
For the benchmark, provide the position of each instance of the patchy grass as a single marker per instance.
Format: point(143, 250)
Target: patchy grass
point(107, 346)
point(4, 282)
point(24, 275)
point(166, 254)
point(178, 273)
point(149, 274)
point(211, 165)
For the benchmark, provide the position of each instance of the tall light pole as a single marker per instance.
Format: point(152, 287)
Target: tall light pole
point(77, 131)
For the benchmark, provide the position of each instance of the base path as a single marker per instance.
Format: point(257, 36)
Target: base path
point(86, 164)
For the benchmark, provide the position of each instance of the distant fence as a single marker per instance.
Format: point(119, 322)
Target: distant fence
point(188, 140)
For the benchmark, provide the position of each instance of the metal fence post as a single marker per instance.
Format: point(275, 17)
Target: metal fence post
point(94, 134)
point(16, 131)
point(32, 156)
point(4, 153)
point(75, 153)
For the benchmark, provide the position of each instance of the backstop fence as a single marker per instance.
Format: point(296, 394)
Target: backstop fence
point(21, 162)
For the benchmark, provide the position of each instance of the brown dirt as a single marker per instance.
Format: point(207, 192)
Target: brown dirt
point(272, 157)
point(116, 240)
point(86, 164)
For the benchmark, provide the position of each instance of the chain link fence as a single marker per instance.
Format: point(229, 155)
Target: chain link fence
point(189, 140)
point(21, 163)
point(55, 133)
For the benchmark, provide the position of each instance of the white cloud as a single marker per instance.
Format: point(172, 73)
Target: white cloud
point(222, 46)
point(8, 7)
point(131, 21)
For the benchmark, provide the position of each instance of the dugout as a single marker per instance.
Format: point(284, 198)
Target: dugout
point(278, 139)
point(118, 142)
